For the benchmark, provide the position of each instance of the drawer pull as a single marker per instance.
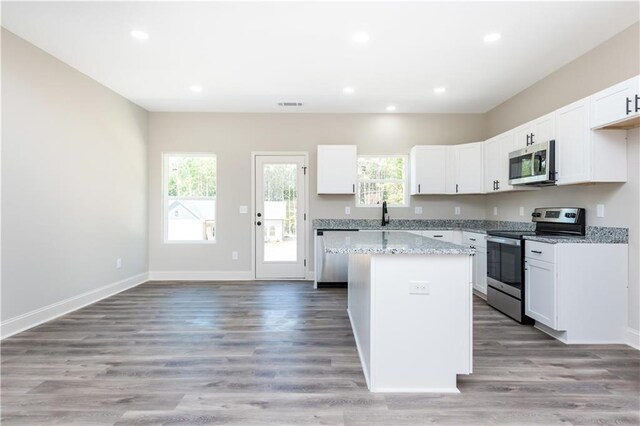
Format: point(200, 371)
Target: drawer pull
point(536, 251)
point(438, 236)
point(472, 239)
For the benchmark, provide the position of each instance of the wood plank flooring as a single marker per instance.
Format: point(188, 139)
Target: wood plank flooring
point(282, 353)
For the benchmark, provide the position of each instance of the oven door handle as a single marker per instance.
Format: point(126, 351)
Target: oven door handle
point(507, 241)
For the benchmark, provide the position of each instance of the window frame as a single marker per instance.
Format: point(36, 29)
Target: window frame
point(165, 197)
point(404, 181)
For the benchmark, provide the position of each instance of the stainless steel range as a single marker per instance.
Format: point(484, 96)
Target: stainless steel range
point(505, 257)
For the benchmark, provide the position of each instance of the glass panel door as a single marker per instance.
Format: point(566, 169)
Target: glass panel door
point(279, 221)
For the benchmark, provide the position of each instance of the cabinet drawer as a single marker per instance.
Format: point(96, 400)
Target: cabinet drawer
point(439, 235)
point(473, 239)
point(540, 251)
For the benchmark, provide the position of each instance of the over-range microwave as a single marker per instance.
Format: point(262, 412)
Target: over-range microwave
point(533, 165)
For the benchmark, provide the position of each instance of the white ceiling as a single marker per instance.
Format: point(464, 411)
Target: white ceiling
point(249, 56)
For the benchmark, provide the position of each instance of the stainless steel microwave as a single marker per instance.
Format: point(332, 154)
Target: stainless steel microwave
point(533, 165)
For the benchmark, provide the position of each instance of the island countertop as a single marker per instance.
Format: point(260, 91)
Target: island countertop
point(383, 242)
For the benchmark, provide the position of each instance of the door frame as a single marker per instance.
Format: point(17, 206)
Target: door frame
point(305, 200)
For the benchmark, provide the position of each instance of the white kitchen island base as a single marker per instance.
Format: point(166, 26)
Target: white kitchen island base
point(411, 316)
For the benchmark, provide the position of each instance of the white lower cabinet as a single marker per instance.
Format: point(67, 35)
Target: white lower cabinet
point(479, 243)
point(577, 292)
point(541, 298)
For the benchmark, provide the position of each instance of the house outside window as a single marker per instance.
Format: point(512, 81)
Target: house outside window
point(190, 190)
point(382, 178)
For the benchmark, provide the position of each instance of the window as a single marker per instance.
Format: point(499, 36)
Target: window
point(190, 188)
point(382, 178)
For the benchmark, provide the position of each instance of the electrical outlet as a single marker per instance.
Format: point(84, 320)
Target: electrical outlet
point(418, 209)
point(234, 255)
point(118, 263)
point(495, 211)
point(244, 209)
point(521, 211)
point(600, 210)
point(347, 210)
point(456, 210)
point(419, 287)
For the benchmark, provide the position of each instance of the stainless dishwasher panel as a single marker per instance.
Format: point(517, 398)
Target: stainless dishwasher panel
point(331, 268)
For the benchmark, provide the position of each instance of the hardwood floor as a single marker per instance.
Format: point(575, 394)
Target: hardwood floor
point(281, 353)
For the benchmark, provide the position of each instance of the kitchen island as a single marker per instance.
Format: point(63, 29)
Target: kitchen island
point(409, 302)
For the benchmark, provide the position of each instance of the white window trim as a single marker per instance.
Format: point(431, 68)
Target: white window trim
point(165, 197)
point(405, 181)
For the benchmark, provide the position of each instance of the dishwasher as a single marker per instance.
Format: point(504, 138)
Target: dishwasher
point(331, 269)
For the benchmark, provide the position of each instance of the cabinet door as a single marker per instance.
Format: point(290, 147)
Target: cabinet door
point(337, 168)
point(428, 169)
point(573, 145)
point(522, 136)
point(480, 270)
point(617, 103)
point(543, 129)
point(469, 168)
point(491, 170)
point(541, 296)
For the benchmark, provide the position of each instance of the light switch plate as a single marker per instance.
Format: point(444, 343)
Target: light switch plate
point(419, 287)
point(521, 211)
point(244, 209)
point(418, 210)
point(234, 255)
point(456, 210)
point(600, 210)
point(347, 210)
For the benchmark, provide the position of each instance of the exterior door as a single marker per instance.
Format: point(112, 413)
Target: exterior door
point(279, 216)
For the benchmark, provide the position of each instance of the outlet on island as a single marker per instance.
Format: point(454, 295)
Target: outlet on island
point(419, 287)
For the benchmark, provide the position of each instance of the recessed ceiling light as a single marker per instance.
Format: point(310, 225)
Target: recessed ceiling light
point(361, 37)
point(439, 90)
point(391, 108)
point(490, 38)
point(196, 89)
point(140, 35)
point(349, 90)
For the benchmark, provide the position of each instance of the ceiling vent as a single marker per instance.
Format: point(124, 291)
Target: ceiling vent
point(290, 104)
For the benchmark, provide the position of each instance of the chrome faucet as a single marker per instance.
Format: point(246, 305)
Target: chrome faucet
point(385, 214)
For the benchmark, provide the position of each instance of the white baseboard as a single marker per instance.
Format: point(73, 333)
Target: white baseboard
point(633, 338)
point(200, 275)
point(47, 313)
point(360, 354)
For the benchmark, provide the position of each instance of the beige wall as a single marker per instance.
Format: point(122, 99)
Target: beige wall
point(613, 61)
point(74, 182)
point(232, 137)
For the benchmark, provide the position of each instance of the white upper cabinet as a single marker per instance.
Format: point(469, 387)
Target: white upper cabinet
point(584, 155)
point(617, 105)
point(428, 169)
point(496, 163)
point(468, 168)
point(442, 169)
point(536, 131)
point(337, 169)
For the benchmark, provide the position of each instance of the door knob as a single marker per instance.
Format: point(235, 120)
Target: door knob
point(258, 223)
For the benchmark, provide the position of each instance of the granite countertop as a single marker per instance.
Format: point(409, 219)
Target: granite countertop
point(383, 242)
point(594, 234)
